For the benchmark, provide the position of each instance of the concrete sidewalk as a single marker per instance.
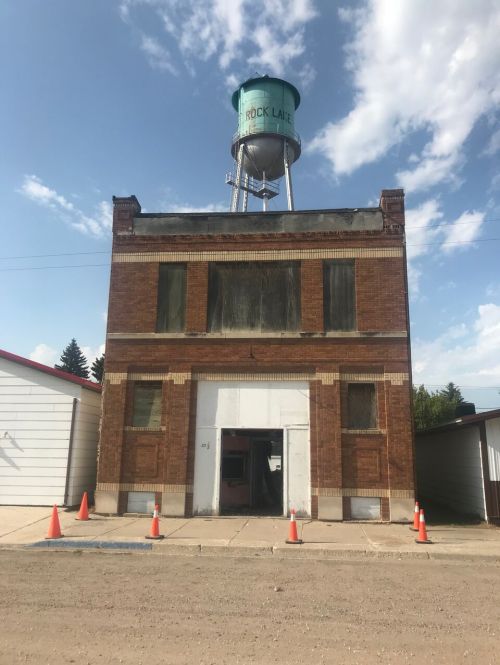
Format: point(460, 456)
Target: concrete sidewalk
point(242, 536)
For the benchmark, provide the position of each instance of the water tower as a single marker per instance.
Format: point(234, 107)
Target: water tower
point(266, 144)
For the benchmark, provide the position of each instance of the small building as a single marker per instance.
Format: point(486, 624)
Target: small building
point(258, 362)
point(458, 465)
point(49, 429)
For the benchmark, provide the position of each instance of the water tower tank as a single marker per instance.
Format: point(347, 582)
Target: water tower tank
point(266, 125)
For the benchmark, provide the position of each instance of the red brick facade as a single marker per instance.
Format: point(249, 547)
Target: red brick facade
point(344, 463)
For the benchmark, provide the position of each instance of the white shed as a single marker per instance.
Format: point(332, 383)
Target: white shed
point(458, 464)
point(49, 429)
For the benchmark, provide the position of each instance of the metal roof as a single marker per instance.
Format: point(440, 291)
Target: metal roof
point(463, 421)
point(65, 376)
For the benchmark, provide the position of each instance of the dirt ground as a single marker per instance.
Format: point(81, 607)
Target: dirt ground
point(93, 608)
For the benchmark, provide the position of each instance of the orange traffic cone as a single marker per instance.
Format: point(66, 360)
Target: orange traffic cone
point(154, 534)
point(54, 526)
point(84, 509)
point(416, 517)
point(422, 531)
point(293, 538)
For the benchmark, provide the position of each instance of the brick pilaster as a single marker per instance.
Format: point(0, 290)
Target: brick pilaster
point(311, 288)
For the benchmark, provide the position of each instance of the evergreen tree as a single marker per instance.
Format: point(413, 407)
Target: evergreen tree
point(97, 369)
point(452, 393)
point(73, 361)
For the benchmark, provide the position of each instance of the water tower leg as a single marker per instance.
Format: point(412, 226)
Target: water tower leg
point(265, 200)
point(288, 178)
point(245, 194)
point(235, 200)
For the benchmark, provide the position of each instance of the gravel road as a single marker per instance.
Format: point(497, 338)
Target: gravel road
point(147, 609)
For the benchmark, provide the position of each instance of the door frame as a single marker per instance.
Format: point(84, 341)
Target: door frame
point(284, 463)
point(286, 430)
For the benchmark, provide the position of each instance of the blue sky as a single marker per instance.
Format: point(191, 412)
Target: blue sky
point(133, 97)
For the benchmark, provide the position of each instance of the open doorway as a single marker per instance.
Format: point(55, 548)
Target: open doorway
point(251, 472)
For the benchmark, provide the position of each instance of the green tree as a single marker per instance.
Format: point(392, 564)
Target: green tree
point(97, 368)
point(73, 361)
point(435, 408)
point(451, 393)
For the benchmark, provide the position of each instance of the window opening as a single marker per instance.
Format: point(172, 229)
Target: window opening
point(339, 295)
point(147, 405)
point(260, 296)
point(361, 406)
point(171, 311)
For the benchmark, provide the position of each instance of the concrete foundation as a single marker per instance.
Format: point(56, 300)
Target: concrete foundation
point(330, 508)
point(173, 504)
point(402, 510)
point(106, 502)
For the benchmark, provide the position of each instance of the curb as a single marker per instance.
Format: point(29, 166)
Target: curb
point(89, 544)
point(280, 552)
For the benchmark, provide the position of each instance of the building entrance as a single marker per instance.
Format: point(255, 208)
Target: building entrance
point(251, 478)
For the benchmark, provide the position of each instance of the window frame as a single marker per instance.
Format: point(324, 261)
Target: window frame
point(222, 319)
point(163, 302)
point(375, 410)
point(138, 385)
point(330, 298)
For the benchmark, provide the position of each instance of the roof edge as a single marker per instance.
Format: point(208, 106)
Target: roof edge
point(58, 373)
point(463, 421)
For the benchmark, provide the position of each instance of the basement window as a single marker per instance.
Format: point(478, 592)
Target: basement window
point(260, 296)
point(365, 508)
point(361, 406)
point(339, 295)
point(171, 311)
point(147, 405)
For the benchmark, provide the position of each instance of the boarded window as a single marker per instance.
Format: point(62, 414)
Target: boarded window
point(171, 297)
point(147, 405)
point(260, 296)
point(361, 406)
point(339, 295)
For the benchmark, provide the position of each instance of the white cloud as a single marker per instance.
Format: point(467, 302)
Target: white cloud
point(493, 145)
point(97, 225)
point(265, 33)
point(158, 57)
point(209, 207)
point(465, 229)
point(424, 65)
point(467, 355)
point(91, 353)
point(428, 233)
point(419, 231)
point(44, 354)
point(493, 290)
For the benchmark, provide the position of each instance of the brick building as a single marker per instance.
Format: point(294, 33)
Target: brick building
point(257, 362)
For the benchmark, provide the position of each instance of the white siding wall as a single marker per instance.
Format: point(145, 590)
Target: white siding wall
point(493, 439)
point(35, 425)
point(449, 470)
point(84, 454)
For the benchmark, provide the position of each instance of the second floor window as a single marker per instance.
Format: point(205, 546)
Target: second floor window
point(260, 296)
point(339, 295)
point(171, 312)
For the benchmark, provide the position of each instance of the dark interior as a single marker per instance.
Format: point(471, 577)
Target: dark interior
point(251, 472)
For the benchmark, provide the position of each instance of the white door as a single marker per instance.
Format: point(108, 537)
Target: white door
point(298, 471)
